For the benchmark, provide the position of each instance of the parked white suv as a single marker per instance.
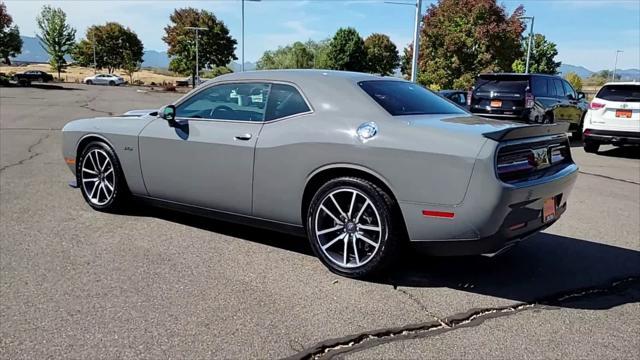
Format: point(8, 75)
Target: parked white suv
point(104, 79)
point(613, 116)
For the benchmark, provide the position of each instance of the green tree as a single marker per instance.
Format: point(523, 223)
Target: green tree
point(130, 65)
point(542, 59)
point(320, 51)
point(215, 46)
point(56, 37)
point(382, 54)
point(116, 47)
point(296, 56)
point(575, 80)
point(217, 71)
point(10, 41)
point(346, 50)
point(461, 38)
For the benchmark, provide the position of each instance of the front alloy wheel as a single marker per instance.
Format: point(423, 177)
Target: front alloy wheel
point(351, 228)
point(100, 178)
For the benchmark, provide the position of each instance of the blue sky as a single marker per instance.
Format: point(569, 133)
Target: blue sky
point(587, 32)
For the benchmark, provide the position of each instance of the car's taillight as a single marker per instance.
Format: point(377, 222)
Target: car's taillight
point(469, 93)
point(529, 100)
point(595, 106)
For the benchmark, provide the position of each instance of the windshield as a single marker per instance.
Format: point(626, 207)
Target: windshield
point(488, 83)
point(629, 93)
point(405, 98)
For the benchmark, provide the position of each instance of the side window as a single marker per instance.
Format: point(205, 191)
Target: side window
point(284, 100)
point(539, 86)
point(568, 89)
point(240, 101)
point(551, 88)
point(559, 89)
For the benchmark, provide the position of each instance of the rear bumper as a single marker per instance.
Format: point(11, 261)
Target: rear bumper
point(493, 213)
point(611, 136)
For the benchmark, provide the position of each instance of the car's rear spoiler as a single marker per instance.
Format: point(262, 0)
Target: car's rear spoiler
point(527, 131)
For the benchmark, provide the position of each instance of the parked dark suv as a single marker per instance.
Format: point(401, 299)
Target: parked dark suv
point(533, 98)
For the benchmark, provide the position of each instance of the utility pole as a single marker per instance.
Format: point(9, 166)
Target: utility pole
point(242, 25)
point(615, 66)
point(197, 60)
point(416, 36)
point(95, 64)
point(532, 18)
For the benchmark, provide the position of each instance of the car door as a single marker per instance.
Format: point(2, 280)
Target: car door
point(205, 157)
point(561, 111)
point(574, 112)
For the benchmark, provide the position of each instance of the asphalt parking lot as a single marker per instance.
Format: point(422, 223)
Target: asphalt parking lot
point(76, 283)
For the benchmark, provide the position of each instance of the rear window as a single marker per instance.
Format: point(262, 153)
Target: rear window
point(629, 93)
point(405, 98)
point(513, 84)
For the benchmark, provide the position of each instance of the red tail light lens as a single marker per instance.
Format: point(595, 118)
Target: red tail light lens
point(529, 100)
point(595, 106)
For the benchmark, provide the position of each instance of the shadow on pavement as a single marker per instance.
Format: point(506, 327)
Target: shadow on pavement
point(629, 152)
point(42, 86)
point(536, 269)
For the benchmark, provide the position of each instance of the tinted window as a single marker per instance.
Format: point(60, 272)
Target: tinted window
point(405, 98)
point(629, 93)
point(285, 100)
point(539, 86)
point(551, 87)
point(501, 83)
point(558, 85)
point(568, 90)
point(243, 101)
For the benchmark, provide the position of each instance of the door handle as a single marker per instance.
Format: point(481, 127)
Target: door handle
point(244, 137)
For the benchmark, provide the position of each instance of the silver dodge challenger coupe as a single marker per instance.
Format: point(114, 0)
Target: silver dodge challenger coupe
point(360, 164)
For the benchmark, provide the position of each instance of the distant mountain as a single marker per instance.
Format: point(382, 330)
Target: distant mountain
point(157, 59)
point(32, 51)
point(580, 70)
point(629, 74)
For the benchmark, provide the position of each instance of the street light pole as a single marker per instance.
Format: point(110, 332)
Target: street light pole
point(615, 66)
point(242, 25)
point(532, 18)
point(416, 36)
point(95, 64)
point(197, 59)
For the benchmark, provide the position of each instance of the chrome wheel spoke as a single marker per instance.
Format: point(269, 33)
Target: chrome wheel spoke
point(109, 185)
point(92, 161)
point(344, 216)
point(90, 171)
point(367, 240)
point(92, 180)
point(330, 229)
point(108, 172)
point(95, 169)
point(353, 200)
point(355, 250)
point(346, 250)
point(95, 187)
point(330, 214)
point(362, 210)
point(324, 247)
point(367, 227)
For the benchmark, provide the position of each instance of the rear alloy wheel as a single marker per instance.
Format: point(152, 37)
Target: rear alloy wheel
point(89, 82)
point(351, 227)
point(100, 178)
point(591, 147)
point(112, 83)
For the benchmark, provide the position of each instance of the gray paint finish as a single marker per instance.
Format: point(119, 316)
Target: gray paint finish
point(440, 162)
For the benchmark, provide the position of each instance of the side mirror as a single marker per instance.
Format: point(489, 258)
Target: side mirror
point(168, 113)
point(581, 95)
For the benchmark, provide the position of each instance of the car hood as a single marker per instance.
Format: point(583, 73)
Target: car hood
point(140, 112)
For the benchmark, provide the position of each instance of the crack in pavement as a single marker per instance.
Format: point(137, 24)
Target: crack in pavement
point(340, 346)
point(92, 109)
point(30, 152)
point(609, 177)
point(420, 305)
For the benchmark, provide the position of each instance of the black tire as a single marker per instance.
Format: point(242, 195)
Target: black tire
point(120, 193)
point(40, 80)
point(112, 83)
point(548, 119)
point(391, 237)
point(89, 82)
point(577, 135)
point(591, 147)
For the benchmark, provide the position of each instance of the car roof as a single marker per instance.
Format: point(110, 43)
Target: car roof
point(517, 74)
point(295, 75)
point(622, 83)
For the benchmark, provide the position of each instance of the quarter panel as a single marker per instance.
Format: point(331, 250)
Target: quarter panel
point(421, 160)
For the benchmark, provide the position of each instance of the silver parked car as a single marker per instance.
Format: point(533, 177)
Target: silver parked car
point(360, 164)
point(104, 79)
